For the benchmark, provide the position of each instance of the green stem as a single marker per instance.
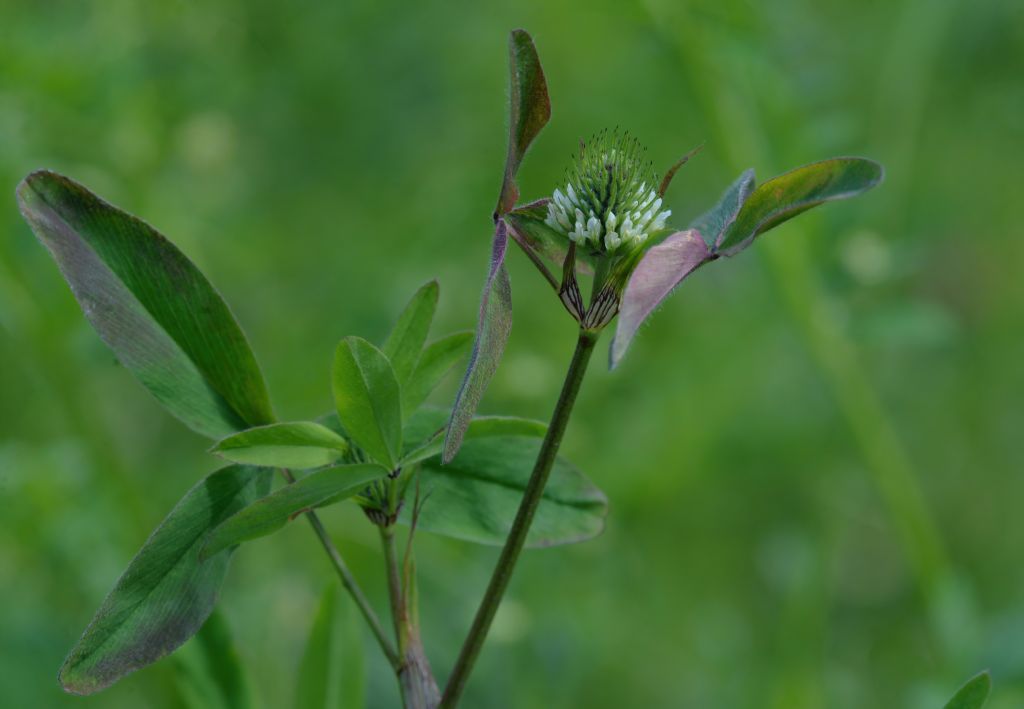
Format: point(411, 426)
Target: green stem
point(350, 584)
point(387, 538)
point(415, 678)
point(521, 526)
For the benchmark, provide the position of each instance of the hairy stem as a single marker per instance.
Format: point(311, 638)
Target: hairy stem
point(521, 526)
point(350, 584)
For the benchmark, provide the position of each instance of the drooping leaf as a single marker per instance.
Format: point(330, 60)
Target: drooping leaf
point(660, 270)
point(713, 224)
point(210, 672)
point(796, 191)
point(333, 673)
point(974, 694)
point(529, 111)
point(437, 359)
point(493, 327)
point(271, 513)
point(427, 427)
point(368, 399)
point(298, 444)
point(475, 496)
point(151, 305)
point(166, 593)
point(406, 340)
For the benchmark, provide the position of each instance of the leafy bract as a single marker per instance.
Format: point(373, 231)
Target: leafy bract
point(406, 340)
point(493, 328)
point(713, 224)
point(270, 513)
point(660, 270)
point(166, 592)
point(529, 111)
point(528, 223)
point(333, 674)
point(151, 305)
point(436, 360)
point(368, 399)
point(796, 191)
point(973, 694)
point(476, 495)
point(298, 444)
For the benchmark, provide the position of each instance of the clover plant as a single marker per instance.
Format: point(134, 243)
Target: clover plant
point(487, 479)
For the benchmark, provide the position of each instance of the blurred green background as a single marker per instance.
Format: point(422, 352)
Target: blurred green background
point(813, 453)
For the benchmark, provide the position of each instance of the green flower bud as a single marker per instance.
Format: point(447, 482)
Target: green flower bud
point(610, 204)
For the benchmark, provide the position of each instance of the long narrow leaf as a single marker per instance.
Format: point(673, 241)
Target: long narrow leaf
point(493, 328)
point(333, 670)
point(166, 593)
point(271, 513)
point(151, 305)
point(210, 672)
point(796, 191)
point(406, 340)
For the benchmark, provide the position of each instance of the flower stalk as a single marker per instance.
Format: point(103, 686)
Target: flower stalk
point(524, 518)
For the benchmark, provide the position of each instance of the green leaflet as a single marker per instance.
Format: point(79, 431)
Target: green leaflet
point(406, 340)
point(300, 444)
point(271, 513)
point(476, 495)
point(151, 305)
point(368, 399)
point(333, 672)
point(973, 694)
point(166, 592)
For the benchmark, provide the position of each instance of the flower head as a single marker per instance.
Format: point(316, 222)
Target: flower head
point(609, 203)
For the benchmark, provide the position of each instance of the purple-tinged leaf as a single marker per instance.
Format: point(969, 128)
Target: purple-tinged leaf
point(151, 305)
point(713, 224)
point(166, 593)
point(493, 327)
point(796, 191)
point(660, 270)
point(529, 111)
